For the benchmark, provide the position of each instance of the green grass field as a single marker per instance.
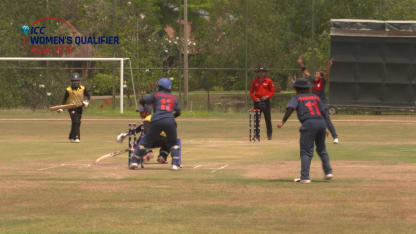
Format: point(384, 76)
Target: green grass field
point(226, 185)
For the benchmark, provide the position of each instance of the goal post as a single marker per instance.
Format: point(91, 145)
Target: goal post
point(120, 60)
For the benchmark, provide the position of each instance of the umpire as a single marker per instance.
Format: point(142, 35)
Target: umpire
point(261, 91)
point(75, 94)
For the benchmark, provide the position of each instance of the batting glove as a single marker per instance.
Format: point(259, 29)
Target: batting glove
point(85, 103)
point(120, 137)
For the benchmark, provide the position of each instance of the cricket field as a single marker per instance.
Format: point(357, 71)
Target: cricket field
point(226, 185)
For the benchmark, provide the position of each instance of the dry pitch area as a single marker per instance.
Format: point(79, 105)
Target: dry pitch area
point(227, 185)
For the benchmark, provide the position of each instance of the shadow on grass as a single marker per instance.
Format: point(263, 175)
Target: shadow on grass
point(291, 181)
point(153, 169)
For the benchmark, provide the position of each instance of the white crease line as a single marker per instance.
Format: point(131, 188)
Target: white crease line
point(66, 164)
point(220, 168)
point(197, 166)
point(46, 168)
point(77, 164)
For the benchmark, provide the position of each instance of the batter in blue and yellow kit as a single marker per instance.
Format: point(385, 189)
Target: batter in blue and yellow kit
point(165, 109)
point(312, 115)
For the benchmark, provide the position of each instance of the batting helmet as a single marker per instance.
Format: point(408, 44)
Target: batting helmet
point(75, 77)
point(165, 83)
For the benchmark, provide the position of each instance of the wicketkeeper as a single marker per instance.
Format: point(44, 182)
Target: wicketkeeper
point(165, 109)
point(76, 94)
point(160, 142)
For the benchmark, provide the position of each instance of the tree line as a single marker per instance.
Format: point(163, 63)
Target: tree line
point(226, 37)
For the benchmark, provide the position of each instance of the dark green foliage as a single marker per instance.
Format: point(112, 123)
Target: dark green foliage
point(271, 32)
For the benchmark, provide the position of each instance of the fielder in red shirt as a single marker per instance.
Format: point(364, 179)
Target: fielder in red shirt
point(261, 91)
point(319, 82)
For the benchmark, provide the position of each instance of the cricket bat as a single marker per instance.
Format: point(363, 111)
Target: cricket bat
point(110, 155)
point(67, 106)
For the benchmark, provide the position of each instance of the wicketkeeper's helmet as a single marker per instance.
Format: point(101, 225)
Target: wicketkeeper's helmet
point(165, 83)
point(147, 109)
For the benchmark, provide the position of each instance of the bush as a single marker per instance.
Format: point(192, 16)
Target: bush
point(102, 84)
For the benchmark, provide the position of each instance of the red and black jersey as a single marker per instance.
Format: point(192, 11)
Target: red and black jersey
point(319, 87)
point(260, 88)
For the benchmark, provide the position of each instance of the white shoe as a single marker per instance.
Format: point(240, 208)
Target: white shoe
point(72, 140)
point(175, 167)
point(77, 141)
point(299, 180)
point(329, 176)
point(336, 141)
point(134, 166)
